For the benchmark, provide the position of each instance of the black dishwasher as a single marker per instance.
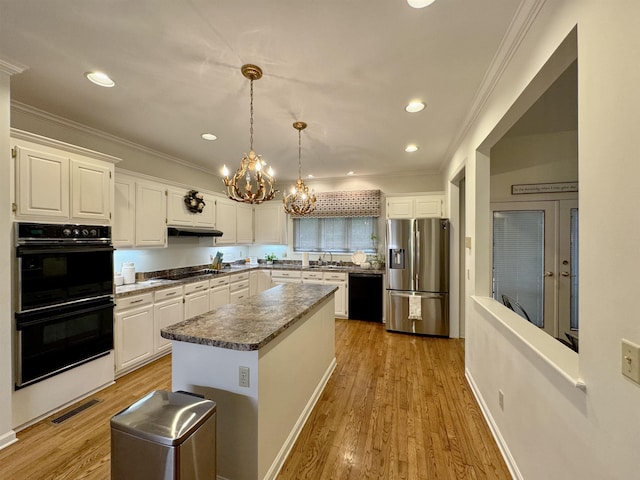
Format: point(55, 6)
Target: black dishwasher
point(365, 296)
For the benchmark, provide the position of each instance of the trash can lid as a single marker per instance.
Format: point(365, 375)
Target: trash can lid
point(164, 417)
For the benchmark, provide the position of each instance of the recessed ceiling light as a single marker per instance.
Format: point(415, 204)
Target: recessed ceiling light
point(209, 136)
point(99, 78)
point(350, 173)
point(309, 176)
point(420, 3)
point(415, 106)
point(411, 148)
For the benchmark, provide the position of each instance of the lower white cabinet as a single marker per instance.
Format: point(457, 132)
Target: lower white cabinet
point(259, 281)
point(339, 279)
point(279, 277)
point(167, 310)
point(196, 299)
point(218, 292)
point(134, 331)
point(238, 287)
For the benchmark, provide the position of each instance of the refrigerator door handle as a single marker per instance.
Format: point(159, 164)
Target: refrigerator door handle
point(416, 268)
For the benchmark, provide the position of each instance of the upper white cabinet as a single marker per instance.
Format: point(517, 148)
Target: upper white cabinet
point(139, 213)
point(417, 206)
point(179, 215)
point(151, 224)
point(270, 224)
point(60, 182)
point(244, 225)
point(226, 220)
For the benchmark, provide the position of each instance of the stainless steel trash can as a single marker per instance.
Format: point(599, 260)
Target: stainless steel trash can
point(165, 436)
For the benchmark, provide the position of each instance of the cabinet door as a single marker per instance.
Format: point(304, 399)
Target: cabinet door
point(208, 216)
point(91, 191)
point(264, 280)
point(166, 314)
point(151, 227)
point(401, 207)
point(134, 336)
point(270, 222)
point(177, 213)
point(42, 184)
point(428, 206)
point(196, 304)
point(340, 298)
point(218, 296)
point(244, 226)
point(226, 221)
point(124, 215)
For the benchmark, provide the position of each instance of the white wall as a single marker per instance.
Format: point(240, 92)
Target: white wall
point(550, 429)
point(7, 435)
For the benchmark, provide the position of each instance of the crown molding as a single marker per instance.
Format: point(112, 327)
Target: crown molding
point(10, 67)
point(526, 14)
point(65, 122)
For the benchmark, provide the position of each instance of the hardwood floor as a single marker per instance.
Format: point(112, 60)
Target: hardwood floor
point(396, 407)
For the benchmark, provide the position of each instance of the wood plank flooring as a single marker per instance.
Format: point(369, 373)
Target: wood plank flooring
point(396, 407)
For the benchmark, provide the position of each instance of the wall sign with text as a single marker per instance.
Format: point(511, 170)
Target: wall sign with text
point(560, 187)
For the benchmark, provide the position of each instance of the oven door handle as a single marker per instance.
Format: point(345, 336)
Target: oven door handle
point(23, 250)
point(22, 319)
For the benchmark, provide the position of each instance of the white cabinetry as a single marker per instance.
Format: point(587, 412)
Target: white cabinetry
point(151, 226)
point(61, 182)
point(244, 225)
point(338, 279)
point(417, 206)
point(259, 281)
point(279, 277)
point(167, 310)
point(123, 232)
point(178, 215)
point(270, 224)
point(196, 299)
point(218, 291)
point(134, 331)
point(238, 287)
point(226, 220)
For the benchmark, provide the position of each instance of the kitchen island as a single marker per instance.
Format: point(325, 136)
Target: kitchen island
point(280, 346)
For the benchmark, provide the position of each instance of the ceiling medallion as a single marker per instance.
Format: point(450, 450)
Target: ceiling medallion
point(299, 201)
point(251, 183)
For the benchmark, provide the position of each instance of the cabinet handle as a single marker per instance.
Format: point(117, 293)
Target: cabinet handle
point(170, 293)
point(137, 301)
point(198, 287)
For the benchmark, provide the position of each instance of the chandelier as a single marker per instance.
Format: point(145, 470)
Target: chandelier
point(251, 183)
point(299, 201)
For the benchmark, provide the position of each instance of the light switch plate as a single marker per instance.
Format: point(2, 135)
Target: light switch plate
point(630, 360)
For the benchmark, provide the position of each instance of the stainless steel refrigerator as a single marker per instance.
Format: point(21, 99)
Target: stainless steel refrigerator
point(418, 276)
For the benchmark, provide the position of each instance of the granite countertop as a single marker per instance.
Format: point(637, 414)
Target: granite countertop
point(158, 284)
point(254, 323)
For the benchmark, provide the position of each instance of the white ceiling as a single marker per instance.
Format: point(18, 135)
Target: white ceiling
point(346, 67)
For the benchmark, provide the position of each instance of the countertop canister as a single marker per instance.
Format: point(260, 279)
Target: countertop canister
point(128, 273)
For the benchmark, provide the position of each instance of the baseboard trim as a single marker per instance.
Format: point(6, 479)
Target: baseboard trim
point(495, 431)
point(277, 464)
point(8, 438)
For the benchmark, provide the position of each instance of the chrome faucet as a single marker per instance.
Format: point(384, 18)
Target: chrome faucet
point(321, 260)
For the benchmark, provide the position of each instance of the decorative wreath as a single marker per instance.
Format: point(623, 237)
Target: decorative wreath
point(194, 201)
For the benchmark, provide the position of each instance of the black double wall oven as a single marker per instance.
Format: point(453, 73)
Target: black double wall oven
point(64, 314)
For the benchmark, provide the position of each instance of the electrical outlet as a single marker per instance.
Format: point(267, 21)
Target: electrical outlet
point(243, 376)
point(501, 399)
point(630, 360)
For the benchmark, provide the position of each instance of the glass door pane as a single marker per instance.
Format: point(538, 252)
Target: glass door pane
point(519, 261)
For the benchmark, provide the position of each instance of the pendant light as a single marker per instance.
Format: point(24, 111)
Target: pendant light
point(299, 201)
point(251, 183)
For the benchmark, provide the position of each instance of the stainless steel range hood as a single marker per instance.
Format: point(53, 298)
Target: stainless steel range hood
point(193, 232)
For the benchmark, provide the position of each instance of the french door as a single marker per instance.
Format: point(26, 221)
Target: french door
point(535, 262)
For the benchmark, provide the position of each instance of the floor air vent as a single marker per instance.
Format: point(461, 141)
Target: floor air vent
point(66, 416)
